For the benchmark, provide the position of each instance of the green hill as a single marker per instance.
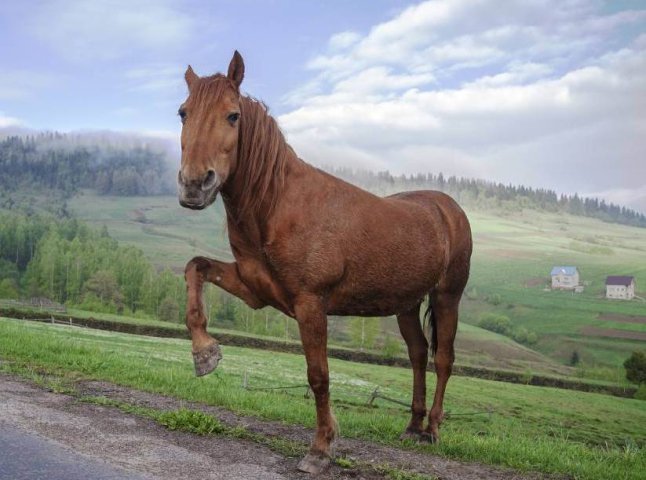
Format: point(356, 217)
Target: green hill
point(514, 253)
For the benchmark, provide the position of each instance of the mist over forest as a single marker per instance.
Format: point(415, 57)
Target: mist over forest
point(133, 165)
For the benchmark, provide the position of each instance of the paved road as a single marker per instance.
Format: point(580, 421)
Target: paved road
point(46, 435)
point(27, 456)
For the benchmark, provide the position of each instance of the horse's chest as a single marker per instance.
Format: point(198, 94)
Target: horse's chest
point(259, 280)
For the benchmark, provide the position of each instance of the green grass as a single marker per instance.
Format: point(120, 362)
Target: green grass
point(513, 255)
point(475, 347)
point(531, 428)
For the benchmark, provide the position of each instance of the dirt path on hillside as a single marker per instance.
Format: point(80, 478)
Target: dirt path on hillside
point(617, 317)
point(613, 333)
point(143, 447)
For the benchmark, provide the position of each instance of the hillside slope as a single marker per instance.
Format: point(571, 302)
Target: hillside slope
point(514, 253)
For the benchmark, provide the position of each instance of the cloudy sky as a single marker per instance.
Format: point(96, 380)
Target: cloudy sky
point(539, 92)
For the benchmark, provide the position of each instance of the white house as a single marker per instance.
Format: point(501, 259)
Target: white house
point(565, 278)
point(620, 287)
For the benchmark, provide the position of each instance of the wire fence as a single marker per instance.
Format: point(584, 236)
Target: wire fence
point(369, 402)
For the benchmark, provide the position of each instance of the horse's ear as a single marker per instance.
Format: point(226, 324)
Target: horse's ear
point(236, 69)
point(190, 77)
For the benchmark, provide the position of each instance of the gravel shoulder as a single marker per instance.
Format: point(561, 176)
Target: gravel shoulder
point(146, 449)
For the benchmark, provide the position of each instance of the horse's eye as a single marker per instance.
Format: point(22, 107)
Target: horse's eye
point(233, 117)
point(182, 115)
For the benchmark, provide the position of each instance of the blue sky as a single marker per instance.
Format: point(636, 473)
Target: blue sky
point(541, 92)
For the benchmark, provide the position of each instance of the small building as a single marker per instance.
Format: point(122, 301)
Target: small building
point(622, 287)
point(565, 278)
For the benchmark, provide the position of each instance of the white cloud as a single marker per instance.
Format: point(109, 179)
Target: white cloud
point(156, 77)
point(6, 121)
point(544, 93)
point(109, 29)
point(343, 40)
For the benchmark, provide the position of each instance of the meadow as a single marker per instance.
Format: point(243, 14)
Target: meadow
point(513, 255)
point(584, 435)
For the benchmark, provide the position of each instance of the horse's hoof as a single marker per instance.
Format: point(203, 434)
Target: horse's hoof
point(428, 437)
point(207, 359)
point(411, 435)
point(314, 463)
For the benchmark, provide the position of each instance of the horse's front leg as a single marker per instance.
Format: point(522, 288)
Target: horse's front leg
point(312, 323)
point(206, 350)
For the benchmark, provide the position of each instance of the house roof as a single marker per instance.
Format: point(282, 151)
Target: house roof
point(561, 270)
point(619, 280)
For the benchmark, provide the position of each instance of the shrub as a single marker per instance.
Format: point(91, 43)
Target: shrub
point(635, 367)
point(392, 347)
point(524, 336)
point(640, 394)
point(496, 323)
point(495, 299)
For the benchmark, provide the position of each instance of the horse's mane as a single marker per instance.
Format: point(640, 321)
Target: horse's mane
point(262, 150)
point(262, 157)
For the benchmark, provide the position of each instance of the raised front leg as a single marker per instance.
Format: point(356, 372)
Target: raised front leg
point(206, 351)
point(312, 323)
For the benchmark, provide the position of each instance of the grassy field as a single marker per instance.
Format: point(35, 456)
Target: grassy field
point(475, 347)
point(587, 436)
point(513, 255)
point(168, 234)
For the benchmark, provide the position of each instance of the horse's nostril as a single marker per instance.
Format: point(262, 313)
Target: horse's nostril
point(210, 180)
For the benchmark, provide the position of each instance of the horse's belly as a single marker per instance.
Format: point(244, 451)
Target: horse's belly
point(376, 302)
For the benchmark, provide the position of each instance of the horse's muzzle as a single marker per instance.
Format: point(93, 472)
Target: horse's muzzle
point(196, 195)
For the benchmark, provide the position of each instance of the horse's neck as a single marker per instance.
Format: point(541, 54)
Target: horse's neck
point(250, 226)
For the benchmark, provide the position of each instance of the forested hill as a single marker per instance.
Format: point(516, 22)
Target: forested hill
point(126, 166)
point(485, 195)
point(114, 166)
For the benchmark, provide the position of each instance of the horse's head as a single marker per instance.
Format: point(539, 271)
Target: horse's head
point(210, 123)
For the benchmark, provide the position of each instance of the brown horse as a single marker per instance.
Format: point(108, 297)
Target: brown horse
point(311, 245)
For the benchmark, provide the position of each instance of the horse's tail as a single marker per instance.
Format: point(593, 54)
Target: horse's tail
point(430, 323)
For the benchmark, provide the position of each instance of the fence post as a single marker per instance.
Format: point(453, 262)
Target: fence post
point(374, 395)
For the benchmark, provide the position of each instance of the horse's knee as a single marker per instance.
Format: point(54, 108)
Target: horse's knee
point(196, 265)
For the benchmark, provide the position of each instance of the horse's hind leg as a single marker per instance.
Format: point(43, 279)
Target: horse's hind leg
point(445, 310)
point(411, 330)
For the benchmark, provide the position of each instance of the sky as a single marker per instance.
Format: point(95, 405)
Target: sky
point(543, 93)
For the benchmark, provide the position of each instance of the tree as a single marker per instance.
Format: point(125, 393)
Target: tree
point(574, 359)
point(8, 288)
point(169, 310)
point(104, 285)
point(635, 367)
point(363, 331)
